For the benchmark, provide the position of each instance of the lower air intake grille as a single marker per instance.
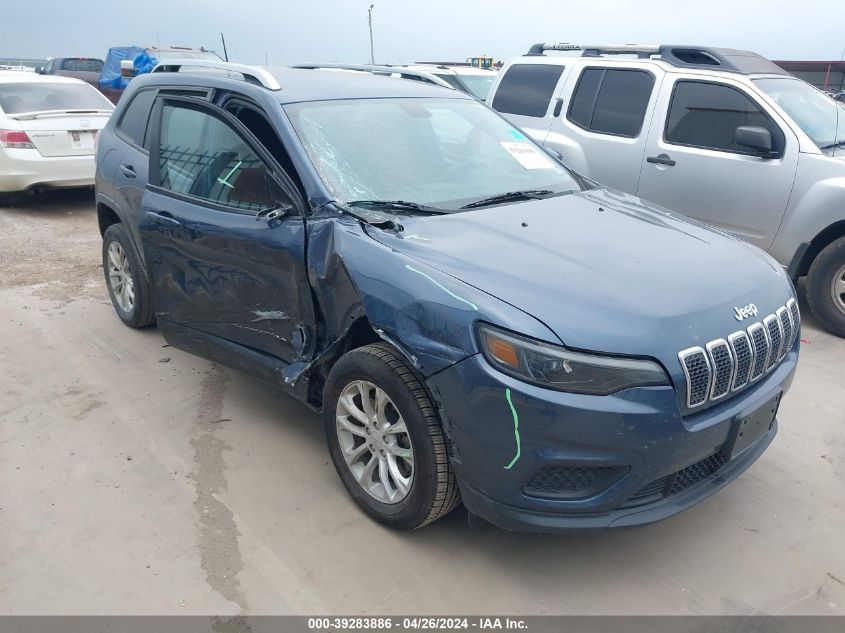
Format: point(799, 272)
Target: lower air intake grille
point(572, 482)
point(677, 482)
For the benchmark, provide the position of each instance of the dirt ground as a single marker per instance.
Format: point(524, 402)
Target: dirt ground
point(136, 479)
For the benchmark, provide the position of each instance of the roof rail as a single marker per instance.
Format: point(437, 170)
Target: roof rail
point(251, 74)
point(594, 50)
point(682, 56)
point(385, 71)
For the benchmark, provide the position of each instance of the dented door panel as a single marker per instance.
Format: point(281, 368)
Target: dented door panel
point(228, 274)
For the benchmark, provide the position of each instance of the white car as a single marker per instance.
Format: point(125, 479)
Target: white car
point(47, 129)
point(469, 79)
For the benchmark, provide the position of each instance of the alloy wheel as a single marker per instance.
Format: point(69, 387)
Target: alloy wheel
point(374, 441)
point(837, 289)
point(120, 277)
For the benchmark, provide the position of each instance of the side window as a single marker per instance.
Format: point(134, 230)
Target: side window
point(527, 89)
point(133, 123)
point(202, 157)
point(611, 101)
point(706, 115)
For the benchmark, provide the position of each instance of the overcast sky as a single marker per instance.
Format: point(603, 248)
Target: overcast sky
point(407, 31)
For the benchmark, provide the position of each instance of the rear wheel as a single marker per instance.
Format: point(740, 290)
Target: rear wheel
point(386, 440)
point(826, 287)
point(128, 287)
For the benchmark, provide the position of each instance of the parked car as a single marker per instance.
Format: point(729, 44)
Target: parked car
point(473, 81)
point(48, 126)
point(473, 320)
point(723, 136)
point(85, 68)
point(125, 62)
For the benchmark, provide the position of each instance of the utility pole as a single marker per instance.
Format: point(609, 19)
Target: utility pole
point(370, 21)
point(225, 52)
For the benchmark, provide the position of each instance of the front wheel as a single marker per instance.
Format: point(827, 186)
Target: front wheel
point(826, 287)
point(386, 440)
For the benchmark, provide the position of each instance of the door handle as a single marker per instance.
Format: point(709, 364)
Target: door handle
point(162, 218)
point(558, 108)
point(127, 170)
point(661, 159)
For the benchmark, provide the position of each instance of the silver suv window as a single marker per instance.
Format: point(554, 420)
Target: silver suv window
point(611, 101)
point(527, 89)
point(706, 115)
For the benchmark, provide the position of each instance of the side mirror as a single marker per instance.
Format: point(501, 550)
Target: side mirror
point(127, 68)
point(757, 139)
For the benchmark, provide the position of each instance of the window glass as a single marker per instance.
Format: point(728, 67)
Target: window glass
point(201, 156)
point(479, 85)
point(527, 89)
point(707, 115)
point(51, 96)
point(611, 101)
point(133, 123)
point(814, 112)
point(82, 65)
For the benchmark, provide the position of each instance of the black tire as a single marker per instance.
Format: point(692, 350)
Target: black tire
point(827, 266)
point(141, 314)
point(433, 490)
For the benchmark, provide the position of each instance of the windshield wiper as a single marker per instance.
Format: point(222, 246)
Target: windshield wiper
point(396, 205)
point(525, 194)
point(833, 145)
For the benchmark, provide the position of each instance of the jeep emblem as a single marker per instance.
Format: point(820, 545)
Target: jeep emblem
point(744, 313)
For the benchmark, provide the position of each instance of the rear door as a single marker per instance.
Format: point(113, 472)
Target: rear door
point(217, 262)
point(602, 120)
point(693, 165)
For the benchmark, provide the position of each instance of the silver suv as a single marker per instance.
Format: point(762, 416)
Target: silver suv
point(724, 136)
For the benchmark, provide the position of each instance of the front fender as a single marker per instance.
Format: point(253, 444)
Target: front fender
point(817, 203)
point(427, 314)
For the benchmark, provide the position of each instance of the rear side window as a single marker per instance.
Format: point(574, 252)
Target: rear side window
point(527, 89)
point(82, 65)
point(706, 115)
point(202, 157)
point(133, 123)
point(611, 101)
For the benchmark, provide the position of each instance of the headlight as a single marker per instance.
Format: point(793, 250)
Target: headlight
point(554, 367)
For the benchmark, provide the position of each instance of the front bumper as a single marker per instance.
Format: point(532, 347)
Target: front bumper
point(23, 169)
point(627, 459)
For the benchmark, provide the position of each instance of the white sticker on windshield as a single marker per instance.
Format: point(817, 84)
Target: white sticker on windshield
point(527, 155)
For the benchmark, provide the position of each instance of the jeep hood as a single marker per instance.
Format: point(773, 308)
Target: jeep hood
point(603, 270)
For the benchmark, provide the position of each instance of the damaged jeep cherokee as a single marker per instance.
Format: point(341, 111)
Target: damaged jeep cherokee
point(475, 321)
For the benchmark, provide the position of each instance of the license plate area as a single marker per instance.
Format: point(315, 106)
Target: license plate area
point(748, 428)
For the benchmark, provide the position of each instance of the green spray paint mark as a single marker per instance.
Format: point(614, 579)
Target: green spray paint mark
point(442, 287)
point(515, 431)
point(224, 181)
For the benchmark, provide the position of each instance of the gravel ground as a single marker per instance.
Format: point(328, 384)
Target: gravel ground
point(137, 479)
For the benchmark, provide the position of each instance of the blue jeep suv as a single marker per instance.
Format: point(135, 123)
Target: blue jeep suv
point(475, 321)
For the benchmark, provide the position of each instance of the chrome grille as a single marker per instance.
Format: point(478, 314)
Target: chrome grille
point(722, 363)
point(786, 328)
point(728, 365)
point(760, 348)
point(772, 326)
point(743, 355)
point(697, 370)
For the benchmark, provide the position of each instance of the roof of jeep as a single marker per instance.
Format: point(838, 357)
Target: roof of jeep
point(327, 84)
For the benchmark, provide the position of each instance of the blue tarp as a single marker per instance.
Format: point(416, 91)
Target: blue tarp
point(110, 76)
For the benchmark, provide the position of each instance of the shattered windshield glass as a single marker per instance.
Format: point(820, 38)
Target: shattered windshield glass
point(438, 152)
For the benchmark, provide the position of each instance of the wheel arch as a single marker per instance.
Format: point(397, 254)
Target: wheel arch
point(106, 216)
point(826, 236)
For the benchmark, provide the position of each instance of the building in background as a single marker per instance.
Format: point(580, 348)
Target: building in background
point(828, 76)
